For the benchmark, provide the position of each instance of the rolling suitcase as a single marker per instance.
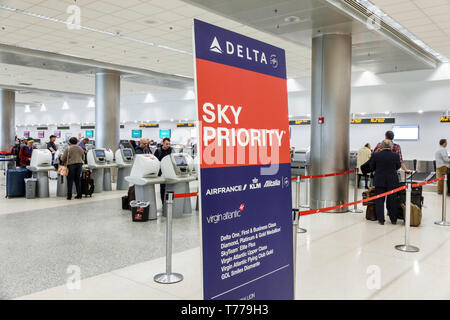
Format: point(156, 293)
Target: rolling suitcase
point(125, 203)
point(87, 184)
point(371, 213)
point(15, 182)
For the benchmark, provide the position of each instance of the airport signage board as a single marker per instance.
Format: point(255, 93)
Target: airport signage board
point(245, 187)
point(88, 127)
point(185, 125)
point(299, 122)
point(42, 128)
point(372, 120)
point(445, 119)
point(149, 125)
point(63, 127)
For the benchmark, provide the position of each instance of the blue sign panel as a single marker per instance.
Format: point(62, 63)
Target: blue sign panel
point(245, 189)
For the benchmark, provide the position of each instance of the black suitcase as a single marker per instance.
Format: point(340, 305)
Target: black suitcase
point(125, 203)
point(87, 187)
point(15, 182)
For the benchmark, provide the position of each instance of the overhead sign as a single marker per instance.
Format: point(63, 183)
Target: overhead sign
point(88, 127)
point(149, 125)
point(299, 122)
point(185, 125)
point(372, 120)
point(245, 189)
point(445, 119)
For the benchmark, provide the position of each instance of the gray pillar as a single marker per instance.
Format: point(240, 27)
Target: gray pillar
point(107, 109)
point(7, 119)
point(330, 99)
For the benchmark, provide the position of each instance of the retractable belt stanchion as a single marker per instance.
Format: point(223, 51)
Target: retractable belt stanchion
point(307, 181)
point(355, 195)
point(168, 276)
point(297, 200)
point(444, 221)
point(407, 247)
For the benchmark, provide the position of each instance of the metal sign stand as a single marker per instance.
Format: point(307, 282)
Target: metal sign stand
point(407, 247)
point(168, 276)
point(355, 195)
point(297, 200)
point(444, 221)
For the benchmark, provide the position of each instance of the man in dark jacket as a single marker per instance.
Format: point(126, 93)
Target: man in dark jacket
point(160, 153)
point(143, 147)
point(385, 163)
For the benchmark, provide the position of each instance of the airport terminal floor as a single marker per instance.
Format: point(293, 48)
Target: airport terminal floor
point(269, 152)
point(41, 239)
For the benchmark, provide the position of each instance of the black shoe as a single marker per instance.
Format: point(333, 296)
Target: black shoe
point(69, 198)
point(394, 222)
point(79, 197)
point(381, 222)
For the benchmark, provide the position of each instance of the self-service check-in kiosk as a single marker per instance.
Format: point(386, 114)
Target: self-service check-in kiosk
point(40, 165)
point(110, 163)
point(177, 169)
point(96, 161)
point(124, 161)
point(144, 176)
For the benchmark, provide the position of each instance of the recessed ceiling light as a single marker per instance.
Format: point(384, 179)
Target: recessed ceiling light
point(65, 106)
point(420, 111)
point(27, 108)
point(386, 112)
point(149, 21)
point(43, 108)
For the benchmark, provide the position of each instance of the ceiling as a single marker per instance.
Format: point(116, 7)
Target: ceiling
point(427, 19)
point(157, 35)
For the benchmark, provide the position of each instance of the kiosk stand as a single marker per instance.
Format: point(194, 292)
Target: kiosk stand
point(107, 181)
point(144, 176)
point(177, 170)
point(96, 161)
point(40, 165)
point(124, 161)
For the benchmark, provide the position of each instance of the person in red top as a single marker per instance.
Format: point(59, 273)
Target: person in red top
point(25, 153)
point(395, 147)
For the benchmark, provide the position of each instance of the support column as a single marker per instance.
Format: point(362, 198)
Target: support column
point(330, 99)
point(7, 119)
point(107, 109)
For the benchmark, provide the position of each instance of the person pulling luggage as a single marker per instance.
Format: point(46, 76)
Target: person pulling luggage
point(73, 158)
point(385, 163)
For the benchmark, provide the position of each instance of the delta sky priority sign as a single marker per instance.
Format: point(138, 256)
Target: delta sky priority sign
point(245, 187)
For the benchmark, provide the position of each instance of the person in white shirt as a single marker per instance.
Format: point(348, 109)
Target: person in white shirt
point(364, 155)
point(442, 163)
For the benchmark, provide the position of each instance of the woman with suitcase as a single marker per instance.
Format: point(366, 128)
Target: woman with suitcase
point(73, 158)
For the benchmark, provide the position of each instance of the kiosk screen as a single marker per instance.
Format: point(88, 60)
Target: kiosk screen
point(100, 153)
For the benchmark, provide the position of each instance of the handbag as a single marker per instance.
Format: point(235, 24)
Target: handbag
point(62, 169)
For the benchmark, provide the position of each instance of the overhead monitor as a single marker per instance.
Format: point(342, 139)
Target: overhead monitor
point(40, 134)
point(26, 134)
point(89, 133)
point(406, 133)
point(57, 134)
point(165, 133)
point(136, 133)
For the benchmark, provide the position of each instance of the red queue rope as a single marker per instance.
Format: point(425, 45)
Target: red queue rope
point(324, 175)
point(305, 213)
point(427, 182)
point(185, 195)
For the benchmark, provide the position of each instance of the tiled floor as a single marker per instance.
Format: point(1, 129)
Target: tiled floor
point(336, 259)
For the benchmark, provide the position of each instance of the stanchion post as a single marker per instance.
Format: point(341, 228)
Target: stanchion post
point(407, 247)
point(307, 189)
point(168, 276)
point(444, 221)
point(295, 224)
point(297, 200)
point(355, 195)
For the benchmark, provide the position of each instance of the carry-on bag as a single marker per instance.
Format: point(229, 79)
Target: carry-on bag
point(15, 182)
point(125, 203)
point(87, 187)
point(416, 215)
point(368, 194)
point(139, 210)
point(131, 193)
point(371, 213)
